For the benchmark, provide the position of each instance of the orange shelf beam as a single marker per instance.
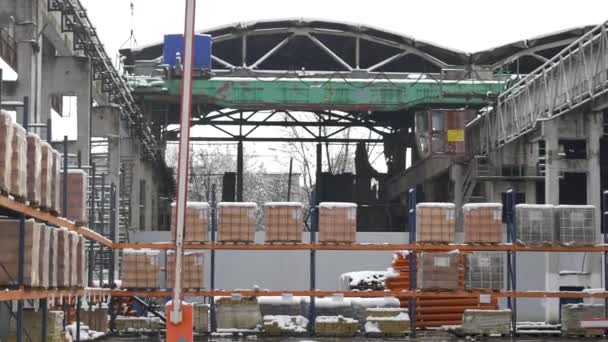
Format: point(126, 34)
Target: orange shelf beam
point(368, 294)
point(28, 211)
point(30, 294)
point(365, 247)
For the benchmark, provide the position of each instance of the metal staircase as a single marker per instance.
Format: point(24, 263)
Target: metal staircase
point(478, 166)
point(576, 76)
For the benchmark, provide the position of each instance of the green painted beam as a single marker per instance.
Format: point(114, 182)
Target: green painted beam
point(337, 94)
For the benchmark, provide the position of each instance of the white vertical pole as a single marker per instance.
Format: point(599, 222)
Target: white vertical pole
point(184, 151)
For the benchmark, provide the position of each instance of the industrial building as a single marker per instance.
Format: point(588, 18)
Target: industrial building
point(521, 124)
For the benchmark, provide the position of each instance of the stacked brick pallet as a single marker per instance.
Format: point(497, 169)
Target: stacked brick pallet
point(283, 221)
point(76, 198)
point(196, 225)
point(337, 222)
point(140, 269)
point(192, 270)
point(49, 262)
point(236, 222)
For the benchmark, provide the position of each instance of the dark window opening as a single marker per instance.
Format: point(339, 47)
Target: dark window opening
point(573, 149)
point(573, 188)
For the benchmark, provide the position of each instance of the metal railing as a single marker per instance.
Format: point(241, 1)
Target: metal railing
point(572, 78)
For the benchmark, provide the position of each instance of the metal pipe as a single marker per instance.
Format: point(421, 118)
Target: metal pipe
point(289, 179)
point(313, 238)
point(239, 172)
point(212, 276)
point(112, 254)
point(65, 175)
point(412, 257)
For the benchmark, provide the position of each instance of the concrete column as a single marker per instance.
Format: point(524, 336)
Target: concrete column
point(550, 132)
point(70, 76)
point(594, 126)
point(114, 178)
point(457, 178)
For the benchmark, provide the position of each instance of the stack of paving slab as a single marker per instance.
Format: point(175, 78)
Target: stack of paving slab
point(32, 324)
point(284, 325)
point(486, 322)
point(129, 325)
point(387, 321)
point(95, 318)
point(336, 326)
point(237, 313)
point(201, 318)
point(572, 314)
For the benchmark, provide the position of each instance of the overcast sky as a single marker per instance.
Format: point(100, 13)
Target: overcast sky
point(467, 25)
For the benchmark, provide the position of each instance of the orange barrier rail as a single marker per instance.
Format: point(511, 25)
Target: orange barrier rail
point(28, 211)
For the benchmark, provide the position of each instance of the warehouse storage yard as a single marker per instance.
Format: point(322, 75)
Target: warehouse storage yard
point(298, 180)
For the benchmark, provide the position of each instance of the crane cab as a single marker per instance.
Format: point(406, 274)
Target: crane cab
point(441, 132)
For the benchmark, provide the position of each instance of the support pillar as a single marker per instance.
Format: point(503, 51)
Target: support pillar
point(114, 179)
point(457, 178)
point(553, 167)
point(239, 172)
point(595, 126)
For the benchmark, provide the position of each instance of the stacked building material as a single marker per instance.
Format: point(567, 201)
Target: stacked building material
point(140, 269)
point(77, 196)
point(192, 270)
point(572, 314)
point(283, 325)
point(435, 222)
point(129, 325)
point(44, 255)
point(283, 221)
point(73, 260)
point(196, 225)
point(337, 222)
point(201, 318)
point(53, 254)
point(336, 326)
point(81, 262)
point(485, 271)
point(576, 224)
point(362, 305)
point(237, 313)
point(439, 271)
point(536, 224)
point(486, 322)
point(63, 257)
point(387, 321)
point(9, 258)
point(56, 190)
point(433, 311)
point(482, 223)
point(6, 151)
point(34, 168)
point(94, 317)
point(32, 325)
point(46, 152)
point(18, 182)
point(236, 222)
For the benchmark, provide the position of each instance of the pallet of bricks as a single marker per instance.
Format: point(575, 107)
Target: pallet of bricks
point(236, 222)
point(193, 263)
point(53, 258)
point(140, 269)
point(196, 225)
point(283, 222)
point(337, 222)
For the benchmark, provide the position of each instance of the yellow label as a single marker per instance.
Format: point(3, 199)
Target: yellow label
point(455, 135)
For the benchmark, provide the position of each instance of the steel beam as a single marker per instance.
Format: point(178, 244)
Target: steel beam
point(354, 95)
point(172, 137)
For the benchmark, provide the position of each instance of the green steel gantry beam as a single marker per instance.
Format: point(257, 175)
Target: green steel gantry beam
point(329, 94)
